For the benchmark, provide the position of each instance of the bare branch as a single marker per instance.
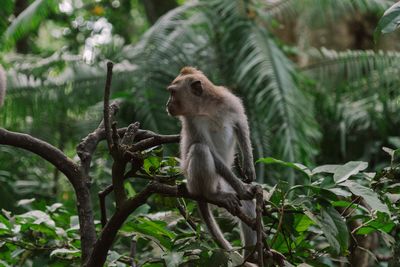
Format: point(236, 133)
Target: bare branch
point(106, 111)
point(185, 215)
point(88, 145)
point(44, 150)
point(153, 141)
point(260, 228)
point(73, 174)
point(132, 253)
point(107, 236)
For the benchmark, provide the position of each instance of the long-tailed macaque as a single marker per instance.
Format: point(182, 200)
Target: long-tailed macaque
point(213, 121)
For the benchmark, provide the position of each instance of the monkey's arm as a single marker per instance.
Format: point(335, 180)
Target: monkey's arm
point(243, 138)
point(244, 191)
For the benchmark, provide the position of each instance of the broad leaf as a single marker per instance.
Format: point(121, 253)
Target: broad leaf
point(329, 168)
point(151, 164)
point(367, 194)
point(152, 229)
point(295, 166)
point(343, 172)
point(173, 259)
point(335, 229)
point(65, 253)
point(389, 22)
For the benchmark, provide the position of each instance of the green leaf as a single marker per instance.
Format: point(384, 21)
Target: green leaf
point(173, 259)
point(394, 154)
point(54, 207)
point(340, 192)
point(151, 164)
point(343, 172)
point(17, 252)
point(393, 198)
point(219, 258)
point(375, 226)
point(302, 223)
point(329, 168)
point(4, 229)
point(152, 229)
point(367, 194)
point(65, 253)
point(113, 256)
point(335, 229)
point(24, 202)
point(129, 189)
point(295, 166)
point(38, 217)
point(5, 221)
point(389, 22)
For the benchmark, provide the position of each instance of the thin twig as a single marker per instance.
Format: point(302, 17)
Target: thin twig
point(132, 253)
point(106, 111)
point(260, 230)
point(185, 215)
point(344, 212)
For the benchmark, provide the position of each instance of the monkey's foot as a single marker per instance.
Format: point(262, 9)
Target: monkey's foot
point(231, 200)
point(247, 192)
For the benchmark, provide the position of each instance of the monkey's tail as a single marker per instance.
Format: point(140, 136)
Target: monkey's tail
point(212, 226)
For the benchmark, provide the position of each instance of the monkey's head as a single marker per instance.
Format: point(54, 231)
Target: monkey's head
point(188, 93)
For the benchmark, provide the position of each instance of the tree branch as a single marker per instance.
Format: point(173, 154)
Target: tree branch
point(260, 228)
point(44, 150)
point(106, 111)
point(70, 170)
point(107, 236)
point(88, 145)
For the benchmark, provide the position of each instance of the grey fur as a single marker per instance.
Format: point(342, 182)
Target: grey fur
point(212, 123)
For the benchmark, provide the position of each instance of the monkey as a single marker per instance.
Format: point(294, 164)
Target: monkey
point(213, 121)
point(3, 85)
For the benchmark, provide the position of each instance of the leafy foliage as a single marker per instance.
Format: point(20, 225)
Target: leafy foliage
point(310, 223)
point(339, 107)
point(389, 21)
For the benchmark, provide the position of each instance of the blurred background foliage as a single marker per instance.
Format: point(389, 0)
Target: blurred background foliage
point(316, 87)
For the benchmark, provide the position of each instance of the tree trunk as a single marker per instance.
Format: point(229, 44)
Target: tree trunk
point(156, 8)
point(22, 45)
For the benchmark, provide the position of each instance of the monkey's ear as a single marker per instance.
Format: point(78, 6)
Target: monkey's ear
point(196, 88)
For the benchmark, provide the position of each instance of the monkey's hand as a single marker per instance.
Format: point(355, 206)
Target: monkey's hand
point(246, 192)
point(249, 172)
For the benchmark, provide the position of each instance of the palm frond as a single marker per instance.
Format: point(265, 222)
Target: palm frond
point(315, 10)
point(266, 80)
point(364, 69)
point(29, 19)
point(357, 96)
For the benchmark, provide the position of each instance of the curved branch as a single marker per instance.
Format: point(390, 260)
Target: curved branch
point(44, 150)
point(107, 236)
point(73, 174)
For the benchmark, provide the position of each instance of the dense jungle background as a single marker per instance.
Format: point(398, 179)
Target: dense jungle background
point(321, 86)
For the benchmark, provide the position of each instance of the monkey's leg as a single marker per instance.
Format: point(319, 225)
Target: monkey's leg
point(245, 191)
point(203, 179)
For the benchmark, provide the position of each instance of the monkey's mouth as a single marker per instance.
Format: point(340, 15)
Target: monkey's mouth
point(170, 111)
